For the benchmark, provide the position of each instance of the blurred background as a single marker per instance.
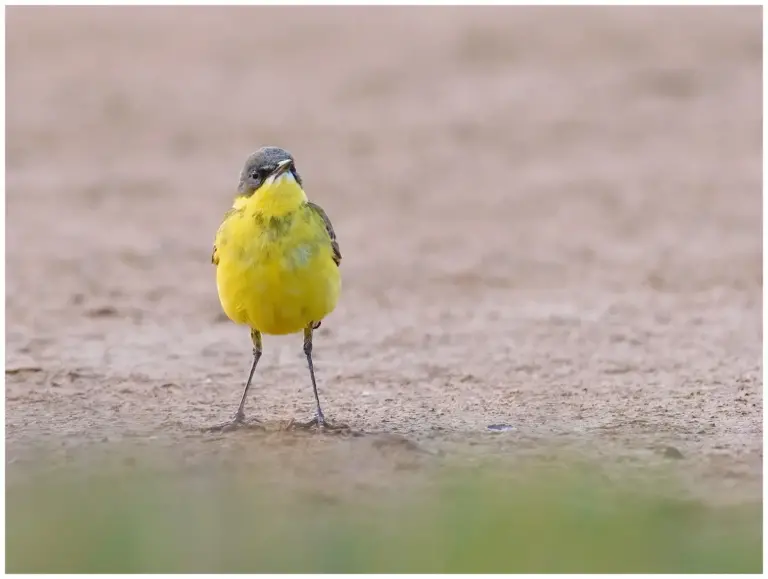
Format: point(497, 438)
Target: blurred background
point(550, 220)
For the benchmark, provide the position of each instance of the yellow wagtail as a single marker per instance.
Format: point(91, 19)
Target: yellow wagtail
point(277, 260)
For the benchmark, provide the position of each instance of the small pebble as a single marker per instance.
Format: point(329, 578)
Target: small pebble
point(672, 452)
point(500, 427)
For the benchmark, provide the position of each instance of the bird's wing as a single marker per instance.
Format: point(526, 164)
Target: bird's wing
point(215, 253)
point(329, 228)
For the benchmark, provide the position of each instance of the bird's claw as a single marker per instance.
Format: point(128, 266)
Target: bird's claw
point(318, 422)
point(237, 422)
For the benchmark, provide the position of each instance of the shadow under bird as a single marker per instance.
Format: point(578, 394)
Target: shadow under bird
point(277, 261)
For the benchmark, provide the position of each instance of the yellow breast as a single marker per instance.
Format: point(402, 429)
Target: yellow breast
point(275, 269)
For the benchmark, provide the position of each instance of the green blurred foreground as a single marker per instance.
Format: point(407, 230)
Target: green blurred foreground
point(213, 521)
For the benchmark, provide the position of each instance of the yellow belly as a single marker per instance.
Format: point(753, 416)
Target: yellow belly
point(276, 284)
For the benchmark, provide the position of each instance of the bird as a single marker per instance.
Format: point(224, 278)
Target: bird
point(277, 262)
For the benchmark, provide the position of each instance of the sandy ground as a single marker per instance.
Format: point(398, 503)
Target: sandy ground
point(550, 218)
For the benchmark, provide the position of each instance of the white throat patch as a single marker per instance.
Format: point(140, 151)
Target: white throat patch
point(287, 176)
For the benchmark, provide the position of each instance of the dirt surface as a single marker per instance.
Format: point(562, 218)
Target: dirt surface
point(550, 219)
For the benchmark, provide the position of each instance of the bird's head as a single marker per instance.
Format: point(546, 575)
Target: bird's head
point(265, 168)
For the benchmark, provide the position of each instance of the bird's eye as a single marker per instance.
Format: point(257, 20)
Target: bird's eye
point(261, 174)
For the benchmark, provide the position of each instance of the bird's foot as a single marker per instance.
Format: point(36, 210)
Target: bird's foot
point(318, 422)
point(236, 423)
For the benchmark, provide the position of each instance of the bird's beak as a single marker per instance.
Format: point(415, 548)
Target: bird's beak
point(281, 168)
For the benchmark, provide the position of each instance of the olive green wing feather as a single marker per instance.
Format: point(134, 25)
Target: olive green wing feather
point(329, 228)
point(232, 212)
point(215, 253)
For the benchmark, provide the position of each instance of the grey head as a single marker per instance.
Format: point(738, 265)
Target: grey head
point(260, 165)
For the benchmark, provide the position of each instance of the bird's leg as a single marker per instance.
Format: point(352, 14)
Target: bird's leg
point(256, 339)
point(239, 419)
point(319, 419)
